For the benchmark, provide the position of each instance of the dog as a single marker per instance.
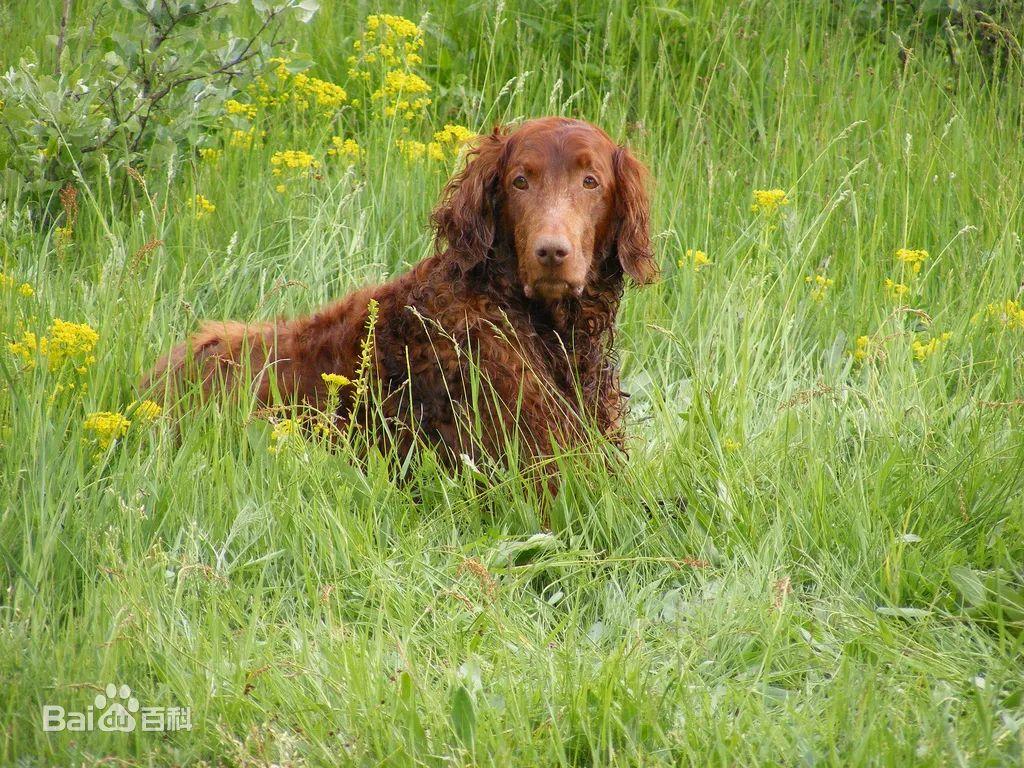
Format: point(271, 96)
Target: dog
point(506, 332)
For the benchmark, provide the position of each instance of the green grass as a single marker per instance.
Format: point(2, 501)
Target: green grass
point(776, 577)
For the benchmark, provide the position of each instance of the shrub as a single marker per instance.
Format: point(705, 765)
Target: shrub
point(135, 95)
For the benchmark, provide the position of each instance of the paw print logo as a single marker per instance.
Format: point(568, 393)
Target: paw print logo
point(120, 708)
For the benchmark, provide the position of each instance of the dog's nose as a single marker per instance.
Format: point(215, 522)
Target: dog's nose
point(551, 251)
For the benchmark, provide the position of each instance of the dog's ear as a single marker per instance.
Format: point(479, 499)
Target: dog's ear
point(465, 218)
point(633, 215)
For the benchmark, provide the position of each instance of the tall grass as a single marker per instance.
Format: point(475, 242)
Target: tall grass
point(776, 577)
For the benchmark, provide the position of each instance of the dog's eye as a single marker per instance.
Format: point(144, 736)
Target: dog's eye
point(589, 182)
point(520, 182)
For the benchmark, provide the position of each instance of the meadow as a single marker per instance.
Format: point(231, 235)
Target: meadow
point(814, 554)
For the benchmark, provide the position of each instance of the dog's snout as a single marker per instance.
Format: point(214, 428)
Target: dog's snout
point(552, 251)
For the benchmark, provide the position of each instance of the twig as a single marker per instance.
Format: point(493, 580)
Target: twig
point(62, 35)
point(150, 101)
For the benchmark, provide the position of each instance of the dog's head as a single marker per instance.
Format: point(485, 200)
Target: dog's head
point(562, 195)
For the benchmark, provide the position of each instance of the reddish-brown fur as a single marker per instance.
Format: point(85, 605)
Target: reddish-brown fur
point(534, 237)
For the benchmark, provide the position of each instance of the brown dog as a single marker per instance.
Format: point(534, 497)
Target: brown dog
point(506, 331)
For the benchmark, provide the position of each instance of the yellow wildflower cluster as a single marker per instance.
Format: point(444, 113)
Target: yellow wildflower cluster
point(924, 350)
point(327, 419)
point(731, 445)
point(285, 433)
point(695, 260)
point(403, 93)
point(292, 159)
point(413, 150)
point(820, 285)
point(328, 97)
point(234, 107)
point(68, 349)
point(146, 411)
point(453, 136)
point(335, 381)
point(389, 41)
point(291, 164)
point(382, 62)
point(1009, 313)
point(210, 154)
point(913, 260)
point(283, 86)
point(769, 201)
point(864, 348)
point(894, 290)
point(345, 148)
point(9, 283)
point(240, 139)
point(447, 143)
point(104, 428)
point(202, 207)
point(25, 349)
point(72, 343)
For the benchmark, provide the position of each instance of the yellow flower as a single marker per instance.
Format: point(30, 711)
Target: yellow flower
point(210, 154)
point(695, 260)
point(924, 350)
point(895, 290)
point(731, 445)
point(334, 382)
point(329, 97)
point(389, 49)
point(913, 259)
point(395, 26)
point(202, 207)
point(282, 66)
point(820, 284)
point(146, 411)
point(286, 432)
point(106, 427)
point(411, 149)
point(768, 201)
point(453, 136)
point(398, 89)
point(863, 348)
point(1009, 313)
point(292, 159)
point(25, 349)
point(280, 189)
point(24, 289)
point(345, 148)
point(243, 139)
point(233, 107)
point(69, 342)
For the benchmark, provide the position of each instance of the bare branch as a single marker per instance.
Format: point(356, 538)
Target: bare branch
point(62, 35)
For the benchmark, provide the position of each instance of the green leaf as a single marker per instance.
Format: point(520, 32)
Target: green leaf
point(306, 9)
point(969, 585)
point(463, 716)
